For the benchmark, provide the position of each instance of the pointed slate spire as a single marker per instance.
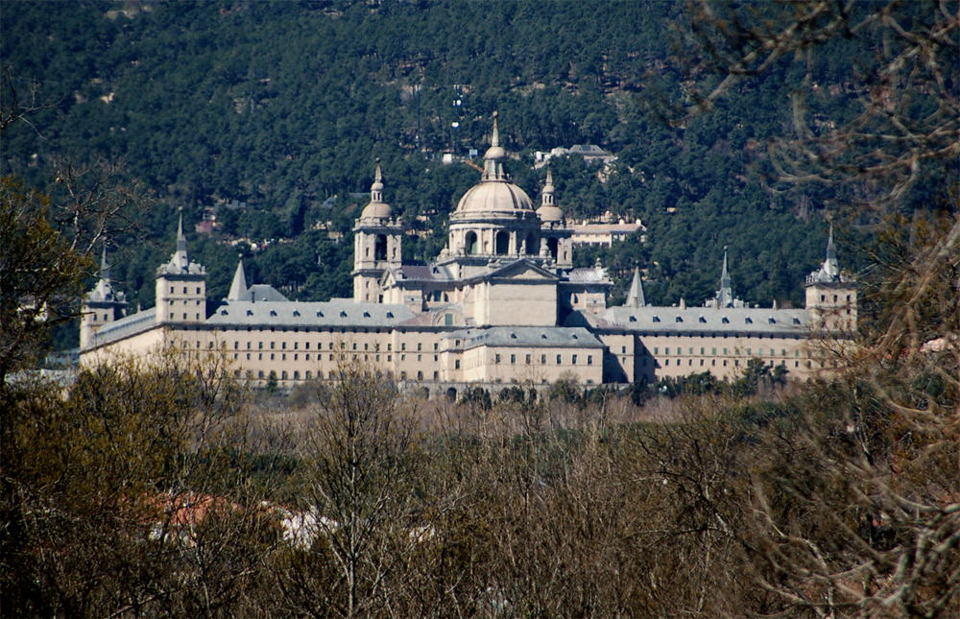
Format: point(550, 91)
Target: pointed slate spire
point(238, 287)
point(104, 265)
point(635, 296)
point(725, 294)
point(180, 258)
point(831, 266)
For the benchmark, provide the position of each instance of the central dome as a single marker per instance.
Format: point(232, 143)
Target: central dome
point(495, 195)
point(495, 198)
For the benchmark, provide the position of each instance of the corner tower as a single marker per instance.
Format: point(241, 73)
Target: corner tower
point(831, 296)
point(377, 244)
point(181, 287)
point(101, 306)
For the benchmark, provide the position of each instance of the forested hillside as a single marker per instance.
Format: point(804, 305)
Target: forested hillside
point(279, 108)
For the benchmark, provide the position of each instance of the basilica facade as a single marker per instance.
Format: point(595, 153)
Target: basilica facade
point(501, 304)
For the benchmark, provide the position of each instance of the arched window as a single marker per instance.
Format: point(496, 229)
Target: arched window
point(473, 247)
point(503, 243)
point(552, 248)
point(380, 248)
point(532, 245)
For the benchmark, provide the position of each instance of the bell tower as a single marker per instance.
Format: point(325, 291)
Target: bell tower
point(377, 244)
point(556, 239)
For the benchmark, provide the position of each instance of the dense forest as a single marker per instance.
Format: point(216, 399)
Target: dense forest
point(161, 486)
point(271, 114)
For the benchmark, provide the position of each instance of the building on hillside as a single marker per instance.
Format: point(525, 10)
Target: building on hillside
point(591, 153)
point(605, 232)
point(501, 304)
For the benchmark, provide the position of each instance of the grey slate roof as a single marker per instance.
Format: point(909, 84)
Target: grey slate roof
point(429, 272)
point(125, 327)
point(526, 337)
point(260, 292)
point(787, 322)
point(334, 313)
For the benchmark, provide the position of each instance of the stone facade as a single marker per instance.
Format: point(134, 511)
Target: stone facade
point(501, 304)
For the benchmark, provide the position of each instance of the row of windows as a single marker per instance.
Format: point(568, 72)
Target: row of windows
point(308, 375)
point(528, 359)
point(836, 298)
point(185, 290)
point(330, 345)
point(724, 363)
point(713, 351)
point(195, 317)
point(319, 356)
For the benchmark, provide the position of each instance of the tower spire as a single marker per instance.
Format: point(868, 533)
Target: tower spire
point(635, 297)
point(376, 189)
point(547, 198)
point(238, 287)
point(725, 294)
point(493, 158)
point(831, 266)
point(104, 265)
point(180, 258)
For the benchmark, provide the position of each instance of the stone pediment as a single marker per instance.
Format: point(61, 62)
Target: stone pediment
point(522, 270)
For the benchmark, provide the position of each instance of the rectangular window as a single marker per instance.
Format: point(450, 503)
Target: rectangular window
point(559, 360)
point(496, 358)
point(513, 358)
point(573, 359)
point(528, 359)
point(589, 359)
